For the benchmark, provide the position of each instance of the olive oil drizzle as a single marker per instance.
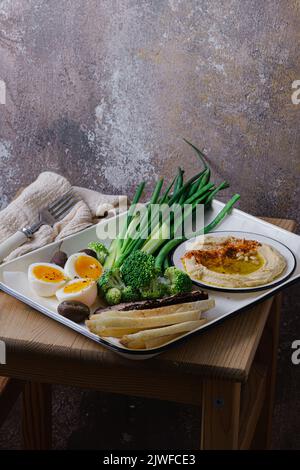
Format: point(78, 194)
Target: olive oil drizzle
point(235, 266)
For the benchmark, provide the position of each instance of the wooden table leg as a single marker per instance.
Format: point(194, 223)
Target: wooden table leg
point(36, 416)
point(10, 390)
point(220, 414)
point(267, 354)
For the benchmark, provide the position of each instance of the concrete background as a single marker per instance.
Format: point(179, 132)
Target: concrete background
point(104, 91)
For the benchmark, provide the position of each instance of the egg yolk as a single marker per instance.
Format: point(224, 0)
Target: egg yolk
point(77, 286)
point(88, 267)
point(48, 274)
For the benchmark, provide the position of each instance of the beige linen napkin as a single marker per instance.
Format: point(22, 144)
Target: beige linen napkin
point(23, 211)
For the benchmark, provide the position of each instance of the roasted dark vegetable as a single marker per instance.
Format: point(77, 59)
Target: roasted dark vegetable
point(59, 258)
point(89, 252)
point(74, 310)
point(193, 296)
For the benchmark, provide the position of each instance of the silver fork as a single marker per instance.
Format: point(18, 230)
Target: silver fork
point(47, 216)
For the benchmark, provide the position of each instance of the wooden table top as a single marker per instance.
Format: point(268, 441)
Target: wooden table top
point(40, 348)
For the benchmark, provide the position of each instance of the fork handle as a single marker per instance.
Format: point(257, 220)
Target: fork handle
point(12, 243)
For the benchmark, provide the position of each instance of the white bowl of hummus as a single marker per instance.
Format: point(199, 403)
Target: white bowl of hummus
point(235, 261)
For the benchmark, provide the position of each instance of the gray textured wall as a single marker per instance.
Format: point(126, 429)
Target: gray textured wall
point(103, 90)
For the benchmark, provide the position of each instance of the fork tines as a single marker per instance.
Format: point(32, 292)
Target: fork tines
point(61, 206)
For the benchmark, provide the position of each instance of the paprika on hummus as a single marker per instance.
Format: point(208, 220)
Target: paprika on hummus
point(233, 262)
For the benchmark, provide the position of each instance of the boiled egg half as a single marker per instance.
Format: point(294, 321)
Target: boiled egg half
point(83, 266)
point(83, 290)
point(46, 278)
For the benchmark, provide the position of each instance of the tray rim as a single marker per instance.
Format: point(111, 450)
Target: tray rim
point(146, 353)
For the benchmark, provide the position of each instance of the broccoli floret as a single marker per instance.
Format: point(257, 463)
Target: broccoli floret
point(129, 294)
point(138, 269)
point(100, 250)
point(178, 281)
point(113, 296)
point(110, 279)
point(155, 289)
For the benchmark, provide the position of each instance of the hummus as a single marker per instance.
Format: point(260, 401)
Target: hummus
point(233, 262)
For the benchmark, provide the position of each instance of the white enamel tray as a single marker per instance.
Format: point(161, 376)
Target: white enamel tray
point(13, 279)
